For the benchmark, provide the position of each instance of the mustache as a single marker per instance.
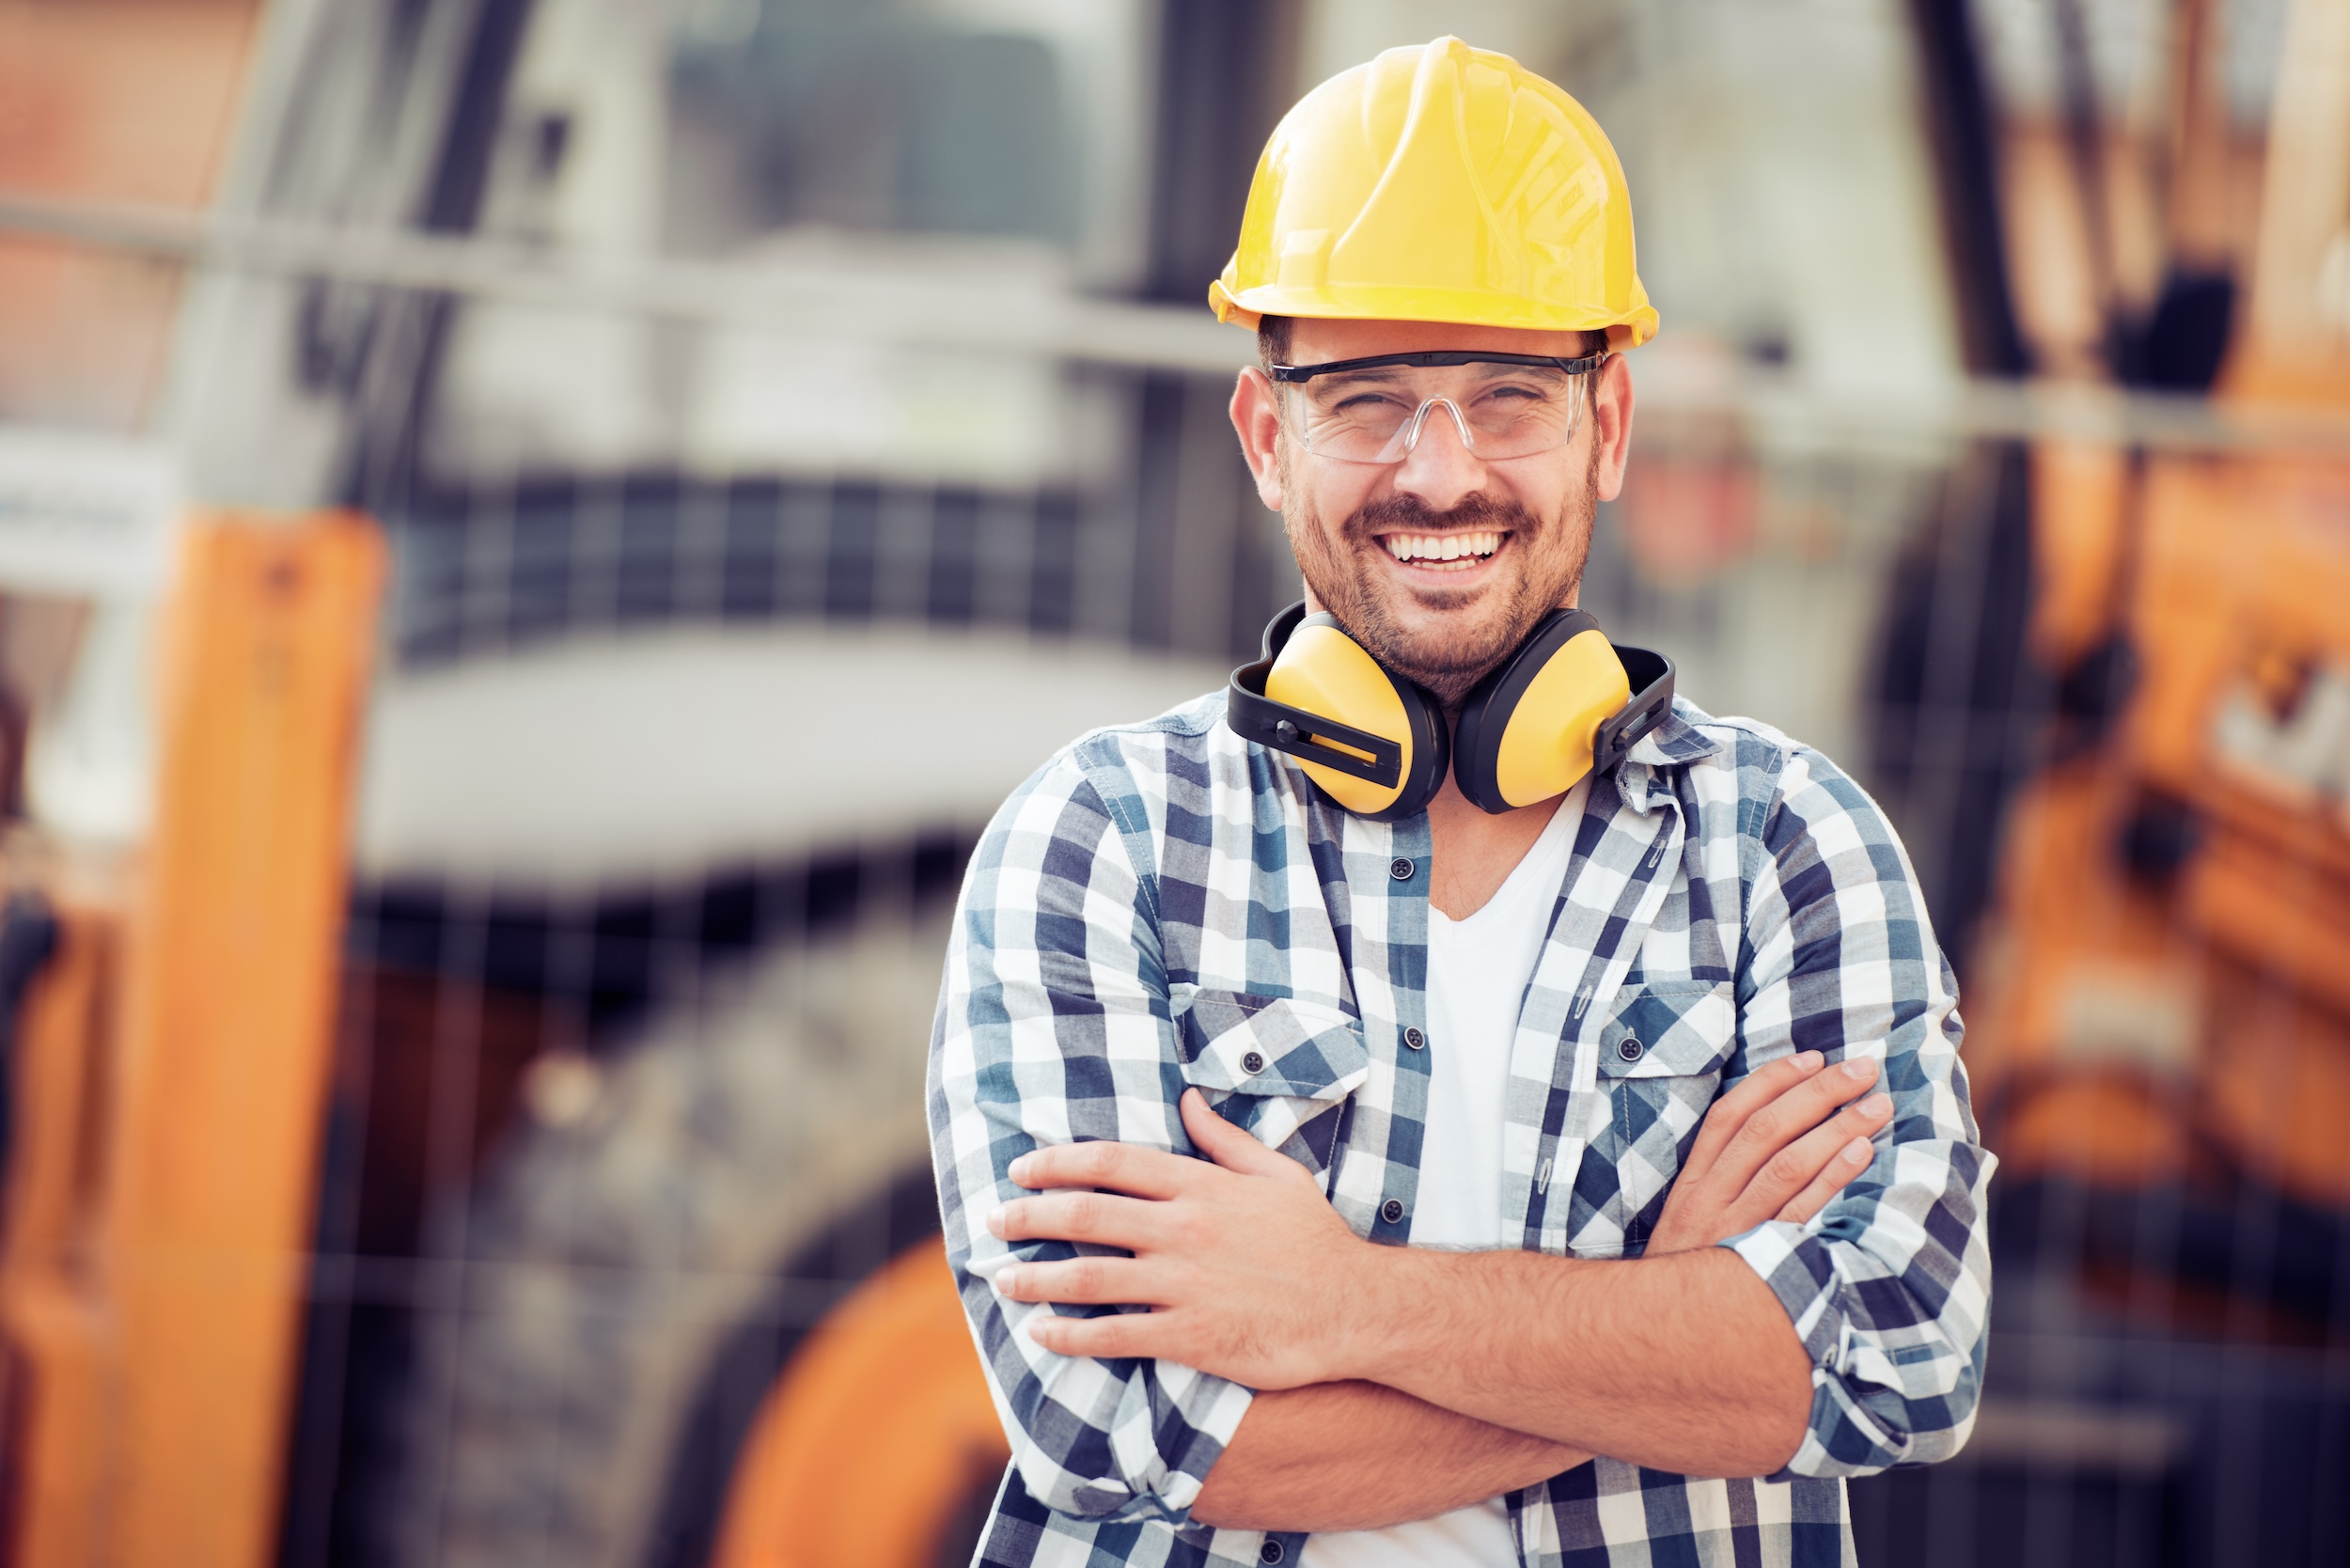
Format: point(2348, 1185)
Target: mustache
point(1410, 514)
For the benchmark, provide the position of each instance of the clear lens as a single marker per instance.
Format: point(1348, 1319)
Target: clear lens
point(1380, 419)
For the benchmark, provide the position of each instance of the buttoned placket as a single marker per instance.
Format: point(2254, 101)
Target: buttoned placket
point(1402, 888)
point(1589, 950)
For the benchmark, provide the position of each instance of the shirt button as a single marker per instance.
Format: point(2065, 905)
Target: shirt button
point(1415, 1039)
point(1400, 869)
point(1631, 1049)
point(1252, 1063)
point(1270, 1552)
point(1392, 1210)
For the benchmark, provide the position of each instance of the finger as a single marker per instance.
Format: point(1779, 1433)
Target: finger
point(1794, 1168)
point(1101, 1163)
point(1136, 1224)
point(1112, 1335)
point(1080, 1282)
point(1790, 1116)
point(1234, 1147)
point(1728, 1114)
point(1848, 1162)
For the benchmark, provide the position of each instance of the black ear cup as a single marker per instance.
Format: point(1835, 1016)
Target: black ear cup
point(1373, 741)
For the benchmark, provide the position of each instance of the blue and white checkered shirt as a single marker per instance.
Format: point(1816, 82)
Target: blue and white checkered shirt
point(1162, 900)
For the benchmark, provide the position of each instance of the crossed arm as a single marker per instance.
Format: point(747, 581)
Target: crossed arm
point(1399, 1383)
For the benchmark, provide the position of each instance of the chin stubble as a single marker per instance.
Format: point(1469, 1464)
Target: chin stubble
point(1451, 666)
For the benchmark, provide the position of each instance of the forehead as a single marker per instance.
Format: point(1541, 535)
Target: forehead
point(1314, 341)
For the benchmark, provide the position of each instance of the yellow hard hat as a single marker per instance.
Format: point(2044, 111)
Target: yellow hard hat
point(1441, 183)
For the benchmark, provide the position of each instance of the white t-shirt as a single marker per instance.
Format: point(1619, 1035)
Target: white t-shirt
point(1477, 971)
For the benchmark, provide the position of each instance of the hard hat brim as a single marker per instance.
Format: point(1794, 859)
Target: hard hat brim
point(1460, 306)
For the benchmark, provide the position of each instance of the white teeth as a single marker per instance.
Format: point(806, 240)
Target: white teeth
point(1442, 547)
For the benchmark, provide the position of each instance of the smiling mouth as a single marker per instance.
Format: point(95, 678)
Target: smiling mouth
point(1445, 552)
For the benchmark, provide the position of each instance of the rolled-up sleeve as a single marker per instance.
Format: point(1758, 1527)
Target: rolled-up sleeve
point(1054, 1027)
point(1889, 1286)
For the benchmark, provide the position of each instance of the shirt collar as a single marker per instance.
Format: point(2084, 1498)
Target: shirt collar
point(1672, 744)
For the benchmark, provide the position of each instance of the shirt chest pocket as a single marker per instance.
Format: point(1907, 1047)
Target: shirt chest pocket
point(1279, 1066)
point(1661, 1060)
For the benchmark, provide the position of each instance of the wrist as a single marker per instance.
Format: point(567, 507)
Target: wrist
point(1388, 1294)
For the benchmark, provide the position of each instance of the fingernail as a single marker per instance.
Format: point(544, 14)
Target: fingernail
point(1858, 1152)
point(1877, 1105)
point(995, 1223)
point(1860, 1070)
point(1018, 1169)
point(1007, 1277)
point(1808, 1060)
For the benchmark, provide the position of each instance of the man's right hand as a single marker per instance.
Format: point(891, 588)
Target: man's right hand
point(1776, 1147)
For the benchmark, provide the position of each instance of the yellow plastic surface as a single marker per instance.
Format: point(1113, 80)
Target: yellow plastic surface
point(1325, 671)
point(1440, 183)
point(1547, 745)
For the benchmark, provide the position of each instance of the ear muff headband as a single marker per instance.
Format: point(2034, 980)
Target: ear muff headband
point(1375, 744)
point(1562, 706)
point(1565, 704)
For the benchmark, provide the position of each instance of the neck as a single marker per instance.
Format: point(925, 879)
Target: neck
point(1474, 852)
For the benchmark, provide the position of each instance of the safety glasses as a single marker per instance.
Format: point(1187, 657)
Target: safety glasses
point(1373, 409)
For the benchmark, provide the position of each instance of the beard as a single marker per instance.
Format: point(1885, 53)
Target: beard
point(1476, 628)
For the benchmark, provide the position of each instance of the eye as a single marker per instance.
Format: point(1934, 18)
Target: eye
point(1363, 402)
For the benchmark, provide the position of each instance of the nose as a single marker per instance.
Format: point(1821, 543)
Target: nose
point(1441, 469)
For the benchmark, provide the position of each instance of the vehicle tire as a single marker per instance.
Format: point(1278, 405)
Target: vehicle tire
point(626, 1237)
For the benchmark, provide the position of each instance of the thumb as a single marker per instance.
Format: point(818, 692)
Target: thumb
point(1229, 1146)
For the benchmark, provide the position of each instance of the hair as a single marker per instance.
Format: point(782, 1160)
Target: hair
point(1272, 341)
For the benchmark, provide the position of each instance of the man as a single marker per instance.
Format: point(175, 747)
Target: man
point(1530, 1212)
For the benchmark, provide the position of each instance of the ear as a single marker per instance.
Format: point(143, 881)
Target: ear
point(1611, 424)
point(1257, 417)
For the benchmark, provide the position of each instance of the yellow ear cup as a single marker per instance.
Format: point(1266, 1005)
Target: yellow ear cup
point(1325, 671)
point(1546, 741)
point(1527, 731)
point(1373, 742)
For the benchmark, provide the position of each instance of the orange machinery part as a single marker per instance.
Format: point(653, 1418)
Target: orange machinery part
point(54, 1328)
point(881, 1425)
point(154, 1332)
point(2245, 563)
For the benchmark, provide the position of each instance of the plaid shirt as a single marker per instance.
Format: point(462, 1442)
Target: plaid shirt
point(1162, 900)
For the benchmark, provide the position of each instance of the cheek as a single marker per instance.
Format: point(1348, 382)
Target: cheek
point(1310, 536)
point(1324, 496)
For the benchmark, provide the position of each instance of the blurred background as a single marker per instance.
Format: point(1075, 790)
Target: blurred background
point(534, 533)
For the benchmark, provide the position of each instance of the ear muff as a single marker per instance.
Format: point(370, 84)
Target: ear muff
point(1373, 742)
point(1561, 707)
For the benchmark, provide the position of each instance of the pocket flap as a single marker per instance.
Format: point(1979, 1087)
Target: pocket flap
point(1670, 1029)
point(1241, 1044)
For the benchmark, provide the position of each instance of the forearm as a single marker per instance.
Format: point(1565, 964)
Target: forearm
point(1685, 1363)
point(1335, 1456)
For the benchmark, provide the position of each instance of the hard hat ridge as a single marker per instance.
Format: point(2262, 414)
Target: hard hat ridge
point(1439, 183)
